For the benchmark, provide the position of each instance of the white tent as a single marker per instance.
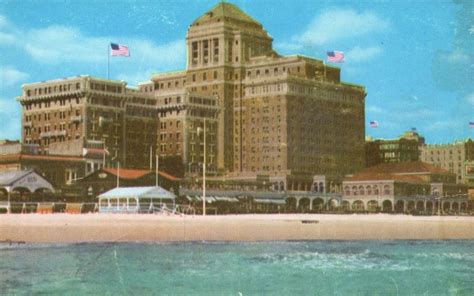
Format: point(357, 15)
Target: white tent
point(17, 179)
point(127, 199)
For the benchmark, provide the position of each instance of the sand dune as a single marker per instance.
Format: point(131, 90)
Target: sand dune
point(136, 227)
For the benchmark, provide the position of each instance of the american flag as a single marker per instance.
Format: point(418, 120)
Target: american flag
point(471, 124)
point(374, 123)
point(119, 50)
point(335, 56)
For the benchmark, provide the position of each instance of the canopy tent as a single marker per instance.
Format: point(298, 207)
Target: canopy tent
point(17, 179)
point(31, 180)
point(127, 199)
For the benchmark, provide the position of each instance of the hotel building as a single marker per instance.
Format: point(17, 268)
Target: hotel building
point(457, 158)
point(85, 107)
point(403, 149)
point(288, 118)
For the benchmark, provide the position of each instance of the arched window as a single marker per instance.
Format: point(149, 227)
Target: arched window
point(321, 187)
point(282, 186)
point(315, 187)
point(354, 190)
point(361, 190)
point(369, 190)
point(376, 190)
point(386, 190)
point(347, 190)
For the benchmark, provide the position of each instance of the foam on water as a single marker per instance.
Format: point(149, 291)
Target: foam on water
point(270, 268)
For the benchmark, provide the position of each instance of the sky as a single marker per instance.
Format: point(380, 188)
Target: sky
point(414, 57)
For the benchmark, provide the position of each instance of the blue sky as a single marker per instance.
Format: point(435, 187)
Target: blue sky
point(415, 58)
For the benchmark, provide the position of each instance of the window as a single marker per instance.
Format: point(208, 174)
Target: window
point(347, 190)
point(216, 50)
point(206, 51)
point(194, 52)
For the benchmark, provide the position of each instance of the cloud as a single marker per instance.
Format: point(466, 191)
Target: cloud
point(470, 98)
point(374, 109)
point(3, 22)
point(7, 31)
point(10, 76)
point(358, 54)
point(59, 44)
point(56, 44)
point(339, 24)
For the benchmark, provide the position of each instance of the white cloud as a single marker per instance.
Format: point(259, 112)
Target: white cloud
point(339, 24)
point(374, 109)
point(7, 31)
point(10, 76)
point(4, 21)
point(358, 54)
point(6, 38)
point(456, 57)
point(470, 98)
point(59, 44)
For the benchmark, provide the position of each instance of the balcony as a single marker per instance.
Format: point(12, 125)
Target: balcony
point(53, 134)
point(77, 118)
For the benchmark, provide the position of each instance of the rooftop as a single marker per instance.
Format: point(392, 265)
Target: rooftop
point(225, 10)
point(136, 173)
point(402, 171)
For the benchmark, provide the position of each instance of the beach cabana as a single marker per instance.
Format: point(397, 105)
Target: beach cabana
point(22, 180)
point(133, 199)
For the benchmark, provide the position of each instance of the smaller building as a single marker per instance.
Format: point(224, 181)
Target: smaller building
point(454, 157)
point(134, 199)
point(65, 163)
point(414, 187)
point(403, 149)
point(22, 185)
point(98, 182)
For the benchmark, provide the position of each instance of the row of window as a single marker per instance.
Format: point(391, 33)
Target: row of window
point(52, 89)
point(367, 190)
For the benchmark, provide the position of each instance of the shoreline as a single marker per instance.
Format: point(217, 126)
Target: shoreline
point(68, 228)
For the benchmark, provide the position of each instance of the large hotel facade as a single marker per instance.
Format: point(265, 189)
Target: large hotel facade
point(289, 119)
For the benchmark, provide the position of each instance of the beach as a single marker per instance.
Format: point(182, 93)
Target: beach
point(67, 228)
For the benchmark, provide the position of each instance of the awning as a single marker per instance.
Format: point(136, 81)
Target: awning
point(154, 192)
point(270, 201)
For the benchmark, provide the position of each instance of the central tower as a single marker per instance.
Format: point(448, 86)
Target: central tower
point(219, 44)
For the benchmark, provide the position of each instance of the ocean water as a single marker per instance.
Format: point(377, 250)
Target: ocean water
point(267, 268)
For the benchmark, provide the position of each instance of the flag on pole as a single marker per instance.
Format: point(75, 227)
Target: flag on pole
point(471, 124)
point(335, 56)
point(119, 50)
point(374, 124)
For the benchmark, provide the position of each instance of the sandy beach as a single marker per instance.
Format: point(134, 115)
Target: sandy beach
point(135, 227)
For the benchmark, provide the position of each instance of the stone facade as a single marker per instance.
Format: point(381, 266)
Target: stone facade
point(456, 158)
point(404, 186)
point(285, 117)
point(90, 108)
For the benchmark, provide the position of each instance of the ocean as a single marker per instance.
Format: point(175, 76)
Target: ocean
point(264, 268)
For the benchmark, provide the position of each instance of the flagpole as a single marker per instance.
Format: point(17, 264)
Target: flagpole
point(151, 158)
point(157, 168)
point(108, 61)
